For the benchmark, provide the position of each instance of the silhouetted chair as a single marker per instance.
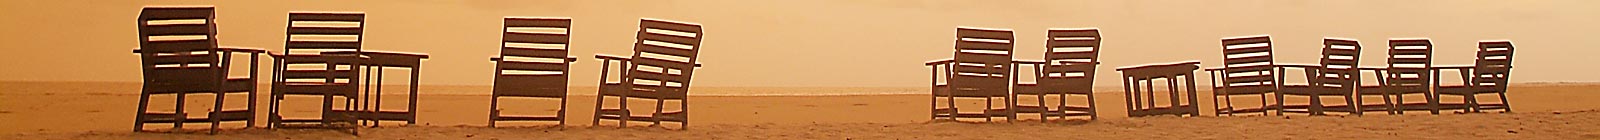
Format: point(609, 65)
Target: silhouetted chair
point(1488, 75)
point(179, 56)
point(982, 68)
point(533, 64)
point(1071, 57)
point(1410, 60)
point(1247, 70)
point(1336, 76)
point(305, 71)
point(663, 63)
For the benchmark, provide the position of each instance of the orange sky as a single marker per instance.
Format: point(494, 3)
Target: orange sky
point(827, 42)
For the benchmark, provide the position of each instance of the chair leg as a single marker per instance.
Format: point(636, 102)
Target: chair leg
point(1092, 108)
point(1433, 103)
point(1505, 103)
point(494, 110)
point(561, 115)
point(177, 124)
point(599, 103)
point(216, 110)
point(988, 103)
point(139, 117)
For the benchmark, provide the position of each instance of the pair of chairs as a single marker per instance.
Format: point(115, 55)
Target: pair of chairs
point(323, 59)
point(1248, 70)
point(983, 68)
point(533, 64)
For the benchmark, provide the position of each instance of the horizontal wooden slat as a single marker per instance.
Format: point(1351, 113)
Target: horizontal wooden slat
point(534, 52)
point(176, 29)
point(532, 66)
point(176, 46)
point(325, 30)
point(531, 85)
point(322, 45)
point(312, 16)
point(690, 41)
point(668, 25)
point(535, 38)
point(168, 13)
point(538, 22)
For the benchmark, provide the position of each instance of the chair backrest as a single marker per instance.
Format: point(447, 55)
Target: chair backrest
point(311, 33)
point(982, 63)
point(1340, 59)
point(533, 52)
point(1247, 65)
point(178, 46)
point(314, 32)
point(1409, 62)
point(664, 57)
point(1493, 68)
point(1081, 46)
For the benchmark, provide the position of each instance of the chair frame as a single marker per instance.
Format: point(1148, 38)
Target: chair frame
point(1407, 74)
point(530, 86)
point(161, 78)
point(669, 32)
point(976, 46)
point(1052, 74)
point(1343, 81)
point(1490, 74)
point(1265, 79)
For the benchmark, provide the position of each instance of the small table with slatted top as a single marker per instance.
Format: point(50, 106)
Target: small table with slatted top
point(1142, 101)
point(373, 97)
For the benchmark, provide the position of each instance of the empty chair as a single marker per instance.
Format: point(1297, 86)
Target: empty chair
point(1408, 74)
point(1071, 56)
point(1488, 75)
point(533, 64)
point(179, 56)
point(304, 71)
point(1336, 76)
point(1247, 70)
point(662, 64)
point(981, 69)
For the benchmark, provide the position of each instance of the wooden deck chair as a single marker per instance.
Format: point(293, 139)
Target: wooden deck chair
point(304, 71)
point(1408, 74)
point(1247, 71)
point(663, 62)
point(533, 64)
point(981, 69)
point(1489, 75)
point(1068, 69)
point(1336, 76)
point(179, 56)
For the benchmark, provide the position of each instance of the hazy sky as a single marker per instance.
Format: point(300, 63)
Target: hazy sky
point(827, 42)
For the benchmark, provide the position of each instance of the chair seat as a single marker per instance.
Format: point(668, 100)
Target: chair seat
point(674, 116)
point(1225, 110)
point(947, 112)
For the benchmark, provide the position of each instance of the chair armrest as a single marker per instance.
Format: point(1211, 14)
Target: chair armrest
point(572, 58)
point(938, 62)
point(1214, 69)
point(241, 49)
point(1079, 63)
point(1291, 65)
point(1453, 67)
point(610, 57)
point(1025, 61)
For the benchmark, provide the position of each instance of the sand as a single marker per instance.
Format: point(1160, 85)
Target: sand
point(1544, 111)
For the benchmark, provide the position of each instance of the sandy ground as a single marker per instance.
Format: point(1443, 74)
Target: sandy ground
point(1544, 111)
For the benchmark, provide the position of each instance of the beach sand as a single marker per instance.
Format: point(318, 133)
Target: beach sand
point(1543, 111)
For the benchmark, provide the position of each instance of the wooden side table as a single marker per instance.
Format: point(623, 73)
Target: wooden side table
point(1142, 102)
point(378, 61)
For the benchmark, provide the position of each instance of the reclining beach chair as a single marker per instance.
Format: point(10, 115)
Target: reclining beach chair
point(982, 68)
point(1488, 75)
point(1247, 70)
point(663, 63)
point(179, 56)
point(1071, 57)
point(533, 64)
point(1336, 76)
point(304, 71)
point(1410, 60)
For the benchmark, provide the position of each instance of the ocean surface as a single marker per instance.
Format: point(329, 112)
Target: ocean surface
point(28, 87)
